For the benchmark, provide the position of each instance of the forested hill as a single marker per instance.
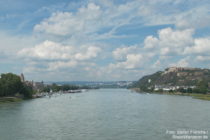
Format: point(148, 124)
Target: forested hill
point(176, 76)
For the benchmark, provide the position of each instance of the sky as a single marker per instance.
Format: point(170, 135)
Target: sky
point(102, 40)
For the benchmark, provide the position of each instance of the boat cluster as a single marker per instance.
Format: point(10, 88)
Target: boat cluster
point(49, 94)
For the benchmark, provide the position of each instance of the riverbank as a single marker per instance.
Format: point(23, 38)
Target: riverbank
point(200, 96)
point(37, 95)
point(193, 95)
point(9, 99)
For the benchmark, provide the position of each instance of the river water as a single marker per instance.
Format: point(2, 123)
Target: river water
point(104, 114)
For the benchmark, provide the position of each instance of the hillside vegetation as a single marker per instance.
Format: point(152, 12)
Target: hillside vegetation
point(192, 80)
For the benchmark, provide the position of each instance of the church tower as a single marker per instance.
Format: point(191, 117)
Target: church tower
point(22, 77)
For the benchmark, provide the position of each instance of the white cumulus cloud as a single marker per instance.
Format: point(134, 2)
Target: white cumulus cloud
point(132, 61)
point(121, 53)
point(201, 46)
point(67, 23)
point(170, 41)
point(48, 50)
point(91, 52)
point(57, 56)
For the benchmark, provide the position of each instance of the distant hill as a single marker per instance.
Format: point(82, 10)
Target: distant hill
point(175, 76)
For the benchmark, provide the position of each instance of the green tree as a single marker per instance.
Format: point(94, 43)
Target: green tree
point(46, 89)
point(27, 91)
point(189, 90)
point(202, 87)
point(55, 87)
point(182, 90)
point(10, 84)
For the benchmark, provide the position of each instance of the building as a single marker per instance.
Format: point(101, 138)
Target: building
point(38, 86)
point(171, 88)
point(22, 78)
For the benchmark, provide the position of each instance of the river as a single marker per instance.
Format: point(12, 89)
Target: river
point(104, 114)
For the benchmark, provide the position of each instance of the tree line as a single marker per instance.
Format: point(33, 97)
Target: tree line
point(11, 85)
point(56, 88)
